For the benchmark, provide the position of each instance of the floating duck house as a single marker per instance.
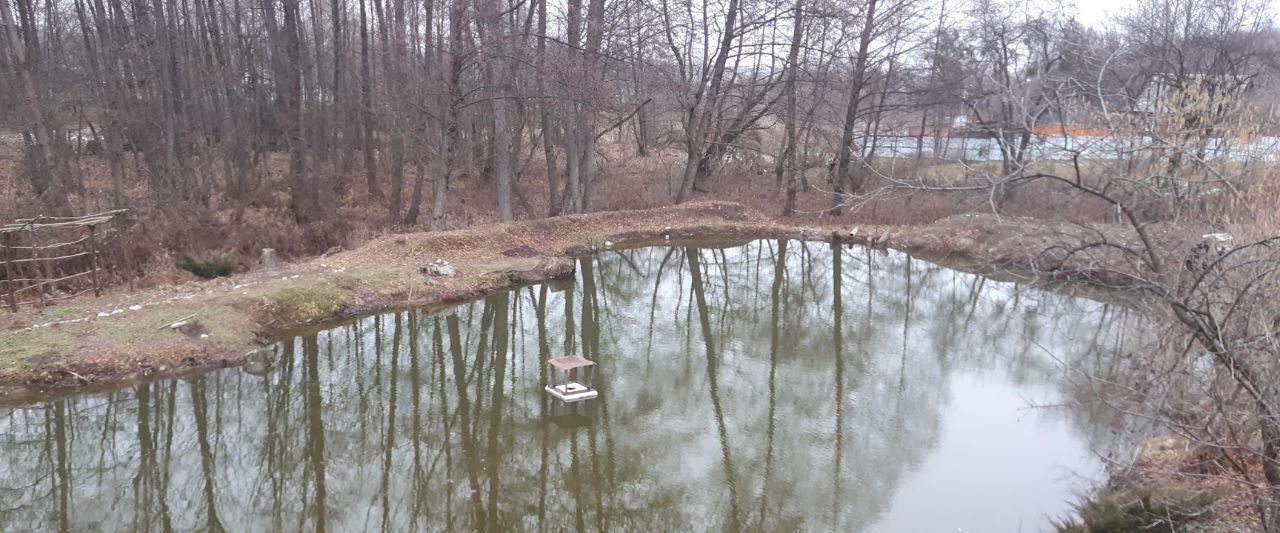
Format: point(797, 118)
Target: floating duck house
point(562, 380)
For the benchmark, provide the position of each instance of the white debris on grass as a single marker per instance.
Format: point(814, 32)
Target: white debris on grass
point(440, 267)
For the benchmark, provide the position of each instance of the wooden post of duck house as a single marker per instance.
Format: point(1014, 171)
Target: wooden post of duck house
point(562, 379)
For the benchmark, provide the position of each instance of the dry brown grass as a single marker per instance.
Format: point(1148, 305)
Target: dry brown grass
point(164, 231)
point(119, 336)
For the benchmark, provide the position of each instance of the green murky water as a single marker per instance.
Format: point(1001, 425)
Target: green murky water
point(774, 386)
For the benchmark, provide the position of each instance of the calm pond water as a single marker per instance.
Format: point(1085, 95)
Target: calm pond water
point(773, 386)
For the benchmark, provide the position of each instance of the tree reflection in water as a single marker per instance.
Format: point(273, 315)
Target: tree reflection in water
point(772, 386)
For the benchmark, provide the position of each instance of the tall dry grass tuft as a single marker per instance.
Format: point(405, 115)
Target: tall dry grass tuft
point(1255, 212)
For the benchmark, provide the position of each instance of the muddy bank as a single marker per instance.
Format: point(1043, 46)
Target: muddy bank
point(119, 338)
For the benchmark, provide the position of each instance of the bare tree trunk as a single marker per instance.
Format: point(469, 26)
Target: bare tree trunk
point(498, 76)
point(591, 60)
point(395, 202)
point(457, 12)
point(415, 205)
point(554, 194)
point(851, 112)
point(786, 163)
point(573, 125)
point(573, 164)
point(548, 129)
point(502, 157)
point(368, 140)
point(318, 120)
point(415, 201)
point(304, 198)
point(693, 147)
point(335, 88)
point(642, 133)
point(399, 111)
point(642, 116)
point(587, 168)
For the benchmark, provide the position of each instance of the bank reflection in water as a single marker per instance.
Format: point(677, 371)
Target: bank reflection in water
point(772, 386)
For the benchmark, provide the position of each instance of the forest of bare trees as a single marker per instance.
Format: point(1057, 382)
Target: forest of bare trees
point(228, 105)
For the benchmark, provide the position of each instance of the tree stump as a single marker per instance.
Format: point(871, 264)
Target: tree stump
point(268, 258)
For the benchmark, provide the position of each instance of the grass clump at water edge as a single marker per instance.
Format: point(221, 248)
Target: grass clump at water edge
point(302, 305)
point(1146, 509)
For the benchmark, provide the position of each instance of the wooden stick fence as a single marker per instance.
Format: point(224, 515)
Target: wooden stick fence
point(46, 266)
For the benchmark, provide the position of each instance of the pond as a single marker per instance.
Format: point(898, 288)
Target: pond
point(776, 385)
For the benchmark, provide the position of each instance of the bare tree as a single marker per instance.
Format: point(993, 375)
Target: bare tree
point(786, 163)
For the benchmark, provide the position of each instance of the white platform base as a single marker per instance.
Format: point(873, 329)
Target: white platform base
point(571, 392)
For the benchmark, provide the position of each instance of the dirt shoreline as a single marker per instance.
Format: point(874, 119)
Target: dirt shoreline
point(124, 337)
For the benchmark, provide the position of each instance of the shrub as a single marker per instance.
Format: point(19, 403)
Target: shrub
point(208, 266)
point(1144, 509)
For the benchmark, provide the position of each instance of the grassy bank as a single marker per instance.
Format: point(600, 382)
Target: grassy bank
point(198, 325)
point(195, 325)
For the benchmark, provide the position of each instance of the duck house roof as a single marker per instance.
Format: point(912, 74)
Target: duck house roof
point(570, 362)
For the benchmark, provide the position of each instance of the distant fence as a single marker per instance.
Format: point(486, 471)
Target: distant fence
point(46, 259)
point(1063, 147)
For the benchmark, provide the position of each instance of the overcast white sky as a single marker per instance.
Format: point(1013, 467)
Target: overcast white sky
point(1097, 12)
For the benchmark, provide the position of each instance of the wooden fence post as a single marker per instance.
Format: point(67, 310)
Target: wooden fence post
point(10, 285)
point(41, 267)
point(93, 261)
